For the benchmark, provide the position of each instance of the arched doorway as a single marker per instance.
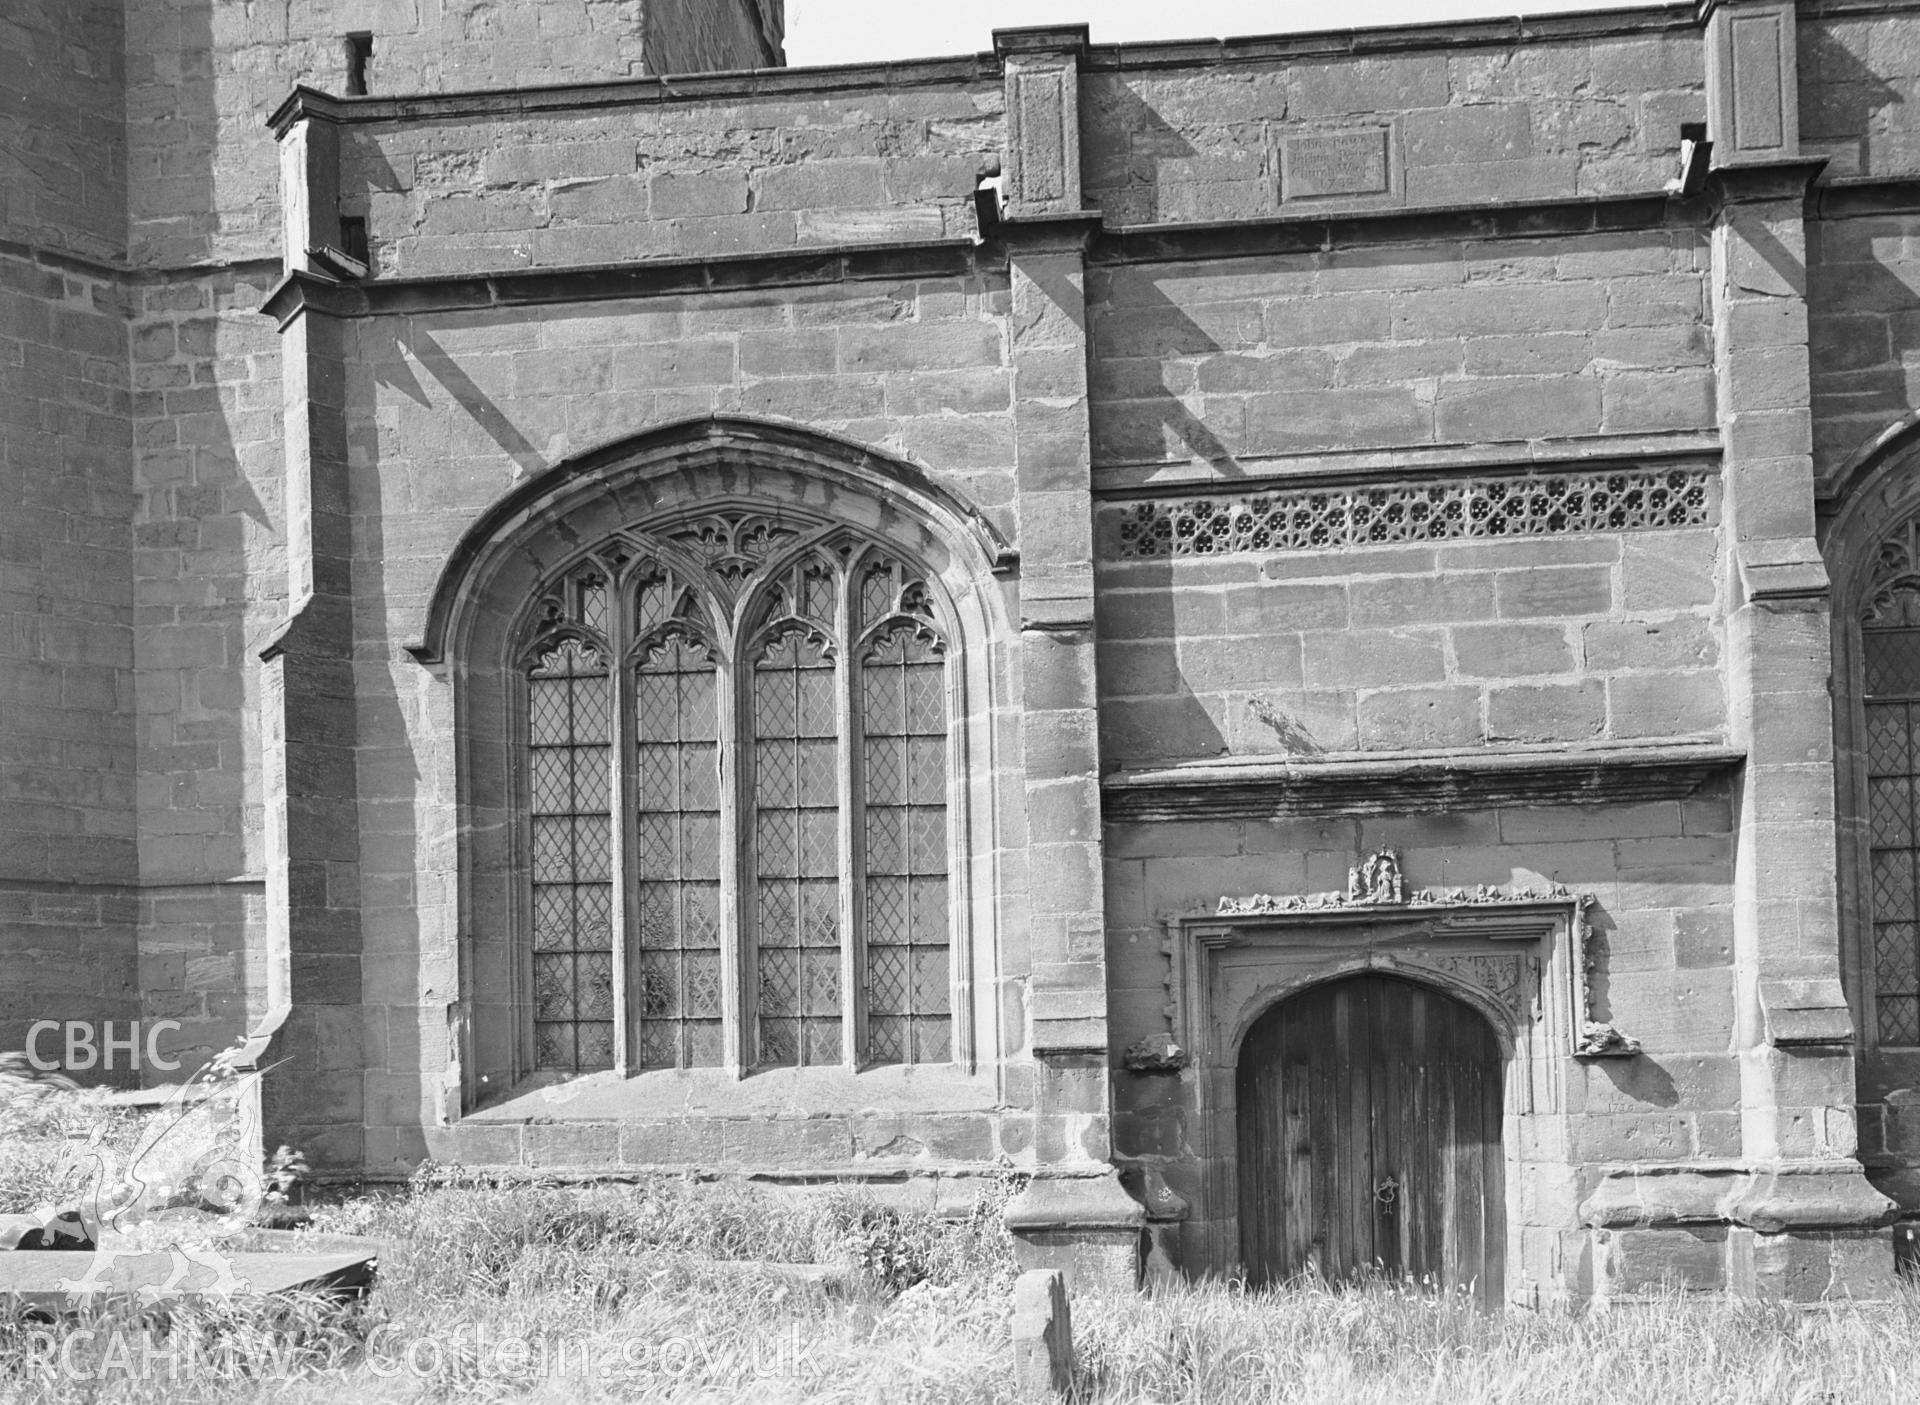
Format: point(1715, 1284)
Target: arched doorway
point(1369, 1121)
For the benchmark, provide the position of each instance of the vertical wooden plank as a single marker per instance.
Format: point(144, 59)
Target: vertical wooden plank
point(1297, 1243)
point(1325, 1130)
point(1386, 1012)
point(1256, 1193)
point(1353, 1196)
point(1355, 1081)
point(1493, 1172)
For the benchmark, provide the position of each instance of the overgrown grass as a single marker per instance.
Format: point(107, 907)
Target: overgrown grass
point(53, 1142)
point(532, 1291)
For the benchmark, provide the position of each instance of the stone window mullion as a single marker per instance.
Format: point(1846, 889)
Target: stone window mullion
point(623, 837)
point(852, 867)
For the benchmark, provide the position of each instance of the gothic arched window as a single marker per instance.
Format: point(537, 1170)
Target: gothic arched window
point(736, 749)
point(1890, 694)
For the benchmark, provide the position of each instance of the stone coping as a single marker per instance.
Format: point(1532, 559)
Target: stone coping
point(986, 66)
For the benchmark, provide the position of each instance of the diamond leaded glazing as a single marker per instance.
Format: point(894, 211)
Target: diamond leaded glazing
point(572, 893)
point(796, 849)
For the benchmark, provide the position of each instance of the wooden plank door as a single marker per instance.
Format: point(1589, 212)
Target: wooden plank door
point(1369, 1123)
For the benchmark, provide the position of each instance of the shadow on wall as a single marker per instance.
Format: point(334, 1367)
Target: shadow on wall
point(1139, 347)
point(1839, 96)
point(457, 383)
point(1864, 325)
point(405, 1020)
point(1148, 713)
point(1124, 142)
point(200, 528)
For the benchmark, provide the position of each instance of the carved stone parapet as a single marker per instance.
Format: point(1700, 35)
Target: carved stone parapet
point(1376, 884)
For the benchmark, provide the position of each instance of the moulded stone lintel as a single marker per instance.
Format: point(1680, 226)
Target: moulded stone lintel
point(1434, 782)
point(1779, 572)
point(1810, 1195)
point(1771, 1198)
point(1073, 1034)
point(1803, 1012)
point(1764, 181)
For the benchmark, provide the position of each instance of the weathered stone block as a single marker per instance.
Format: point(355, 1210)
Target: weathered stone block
point(1506, 650)
point(1420, 719)
point(1665, 704)
point(707, 193)
point(1572, 590)
point(1652, 1260)
point(1552, 712)
point(1373, 658)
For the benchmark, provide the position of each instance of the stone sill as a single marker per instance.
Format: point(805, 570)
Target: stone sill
point(679, 1094)
point(1255, 788)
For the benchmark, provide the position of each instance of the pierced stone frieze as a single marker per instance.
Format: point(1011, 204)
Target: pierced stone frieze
point(1519, 505)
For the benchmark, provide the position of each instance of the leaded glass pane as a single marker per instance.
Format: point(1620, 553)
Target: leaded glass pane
point(1899, 1019)
point(1892, 658)
point(796, 827)
point(677, 859)
point(1893, 662)
point(568, 783)
point(904, 789)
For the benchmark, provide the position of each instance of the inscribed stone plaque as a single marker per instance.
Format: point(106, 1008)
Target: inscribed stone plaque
point(1334, 163)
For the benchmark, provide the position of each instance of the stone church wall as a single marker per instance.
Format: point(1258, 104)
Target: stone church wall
point(1461, 342)
point(67, 916)
point(1175, 136)
point(1247, 303)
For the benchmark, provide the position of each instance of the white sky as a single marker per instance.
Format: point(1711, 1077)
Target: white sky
point(852, 31)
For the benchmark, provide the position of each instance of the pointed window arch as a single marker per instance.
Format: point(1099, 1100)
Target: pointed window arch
point(737, 763)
